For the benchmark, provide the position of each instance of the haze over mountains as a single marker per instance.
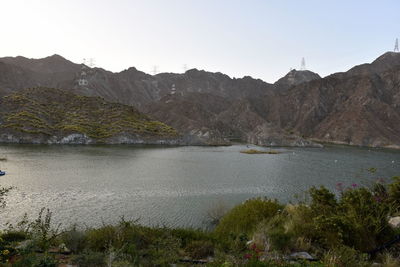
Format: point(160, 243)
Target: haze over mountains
point(357, 107)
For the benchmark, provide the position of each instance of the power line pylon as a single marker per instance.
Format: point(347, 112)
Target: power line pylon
point(155, 70)
point(303, 64)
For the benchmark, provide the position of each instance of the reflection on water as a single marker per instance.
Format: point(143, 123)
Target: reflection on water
point(173, 186)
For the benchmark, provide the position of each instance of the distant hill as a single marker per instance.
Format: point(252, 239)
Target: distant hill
point(131, 86)
point(45, 115)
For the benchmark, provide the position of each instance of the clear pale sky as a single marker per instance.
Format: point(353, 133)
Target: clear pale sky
point(260, 38)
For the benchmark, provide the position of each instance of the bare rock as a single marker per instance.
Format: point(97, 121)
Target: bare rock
point(394, 222)
point(301, 256)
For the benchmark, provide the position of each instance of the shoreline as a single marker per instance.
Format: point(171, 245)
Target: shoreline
point(178, 144)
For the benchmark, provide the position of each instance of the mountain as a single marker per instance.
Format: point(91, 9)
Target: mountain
point(45, 115)
point(14, 77)
point(131, 86)
point(50, 65)
point(356, 107)
point(356, 110)
point(218, 121)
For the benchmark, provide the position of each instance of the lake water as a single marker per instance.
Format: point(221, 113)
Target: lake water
point(174, 186)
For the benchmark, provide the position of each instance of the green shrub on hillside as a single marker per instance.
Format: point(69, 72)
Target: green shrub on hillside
point(393, 193)
point(244, 218)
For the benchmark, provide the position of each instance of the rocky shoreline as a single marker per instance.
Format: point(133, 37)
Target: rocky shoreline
point(185, 140)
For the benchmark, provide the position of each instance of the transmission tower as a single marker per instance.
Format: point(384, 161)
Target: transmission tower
point(173, 89)
point(303, 64)
point(396, 45)
point(90, 63)
point(155, 70)
point(82, 80)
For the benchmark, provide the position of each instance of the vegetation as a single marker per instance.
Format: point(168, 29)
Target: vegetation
point(340, 228)
point(53, 112)
point(255, 151)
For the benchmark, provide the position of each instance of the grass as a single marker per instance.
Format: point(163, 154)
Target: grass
point(255, 151)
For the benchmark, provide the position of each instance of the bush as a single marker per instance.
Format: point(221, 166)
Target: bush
point(100, 239)
point(90, 259)
point(273, 234)
point(345, 256)
point(299, 222)
point(200, 249)
point(74, 239)
point(42, 231)
point(389, 260)
point(35, 260)
point(358, 219)
point(366, 219)
point(394, 193)
point(244, 218)
point(163, 250)
point(280, 240)
point(14, 236)
point(187, 236)
point(322, 201)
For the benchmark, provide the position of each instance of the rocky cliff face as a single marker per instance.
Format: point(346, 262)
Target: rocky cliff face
point(220, 120)
point(357, 107)
point(356, 110)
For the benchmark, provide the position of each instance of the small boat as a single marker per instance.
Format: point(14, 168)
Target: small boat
point(2, 173)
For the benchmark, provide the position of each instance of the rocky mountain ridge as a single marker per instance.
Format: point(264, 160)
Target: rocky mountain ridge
point(357, 107)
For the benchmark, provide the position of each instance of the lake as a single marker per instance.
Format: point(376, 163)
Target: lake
point(174, 186)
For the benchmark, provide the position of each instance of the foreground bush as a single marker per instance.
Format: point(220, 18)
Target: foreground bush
point(243, 218)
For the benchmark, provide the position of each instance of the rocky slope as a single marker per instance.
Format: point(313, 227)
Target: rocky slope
point(44, 115)
point(221, 121)
point(357, 107)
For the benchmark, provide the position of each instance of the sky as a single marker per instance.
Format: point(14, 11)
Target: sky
point(259, 38)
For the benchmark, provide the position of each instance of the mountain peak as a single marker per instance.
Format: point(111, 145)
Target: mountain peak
point(388, 58)
point(295, 77)
point(55, 57)
point(50, 64)
point(382, 63)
